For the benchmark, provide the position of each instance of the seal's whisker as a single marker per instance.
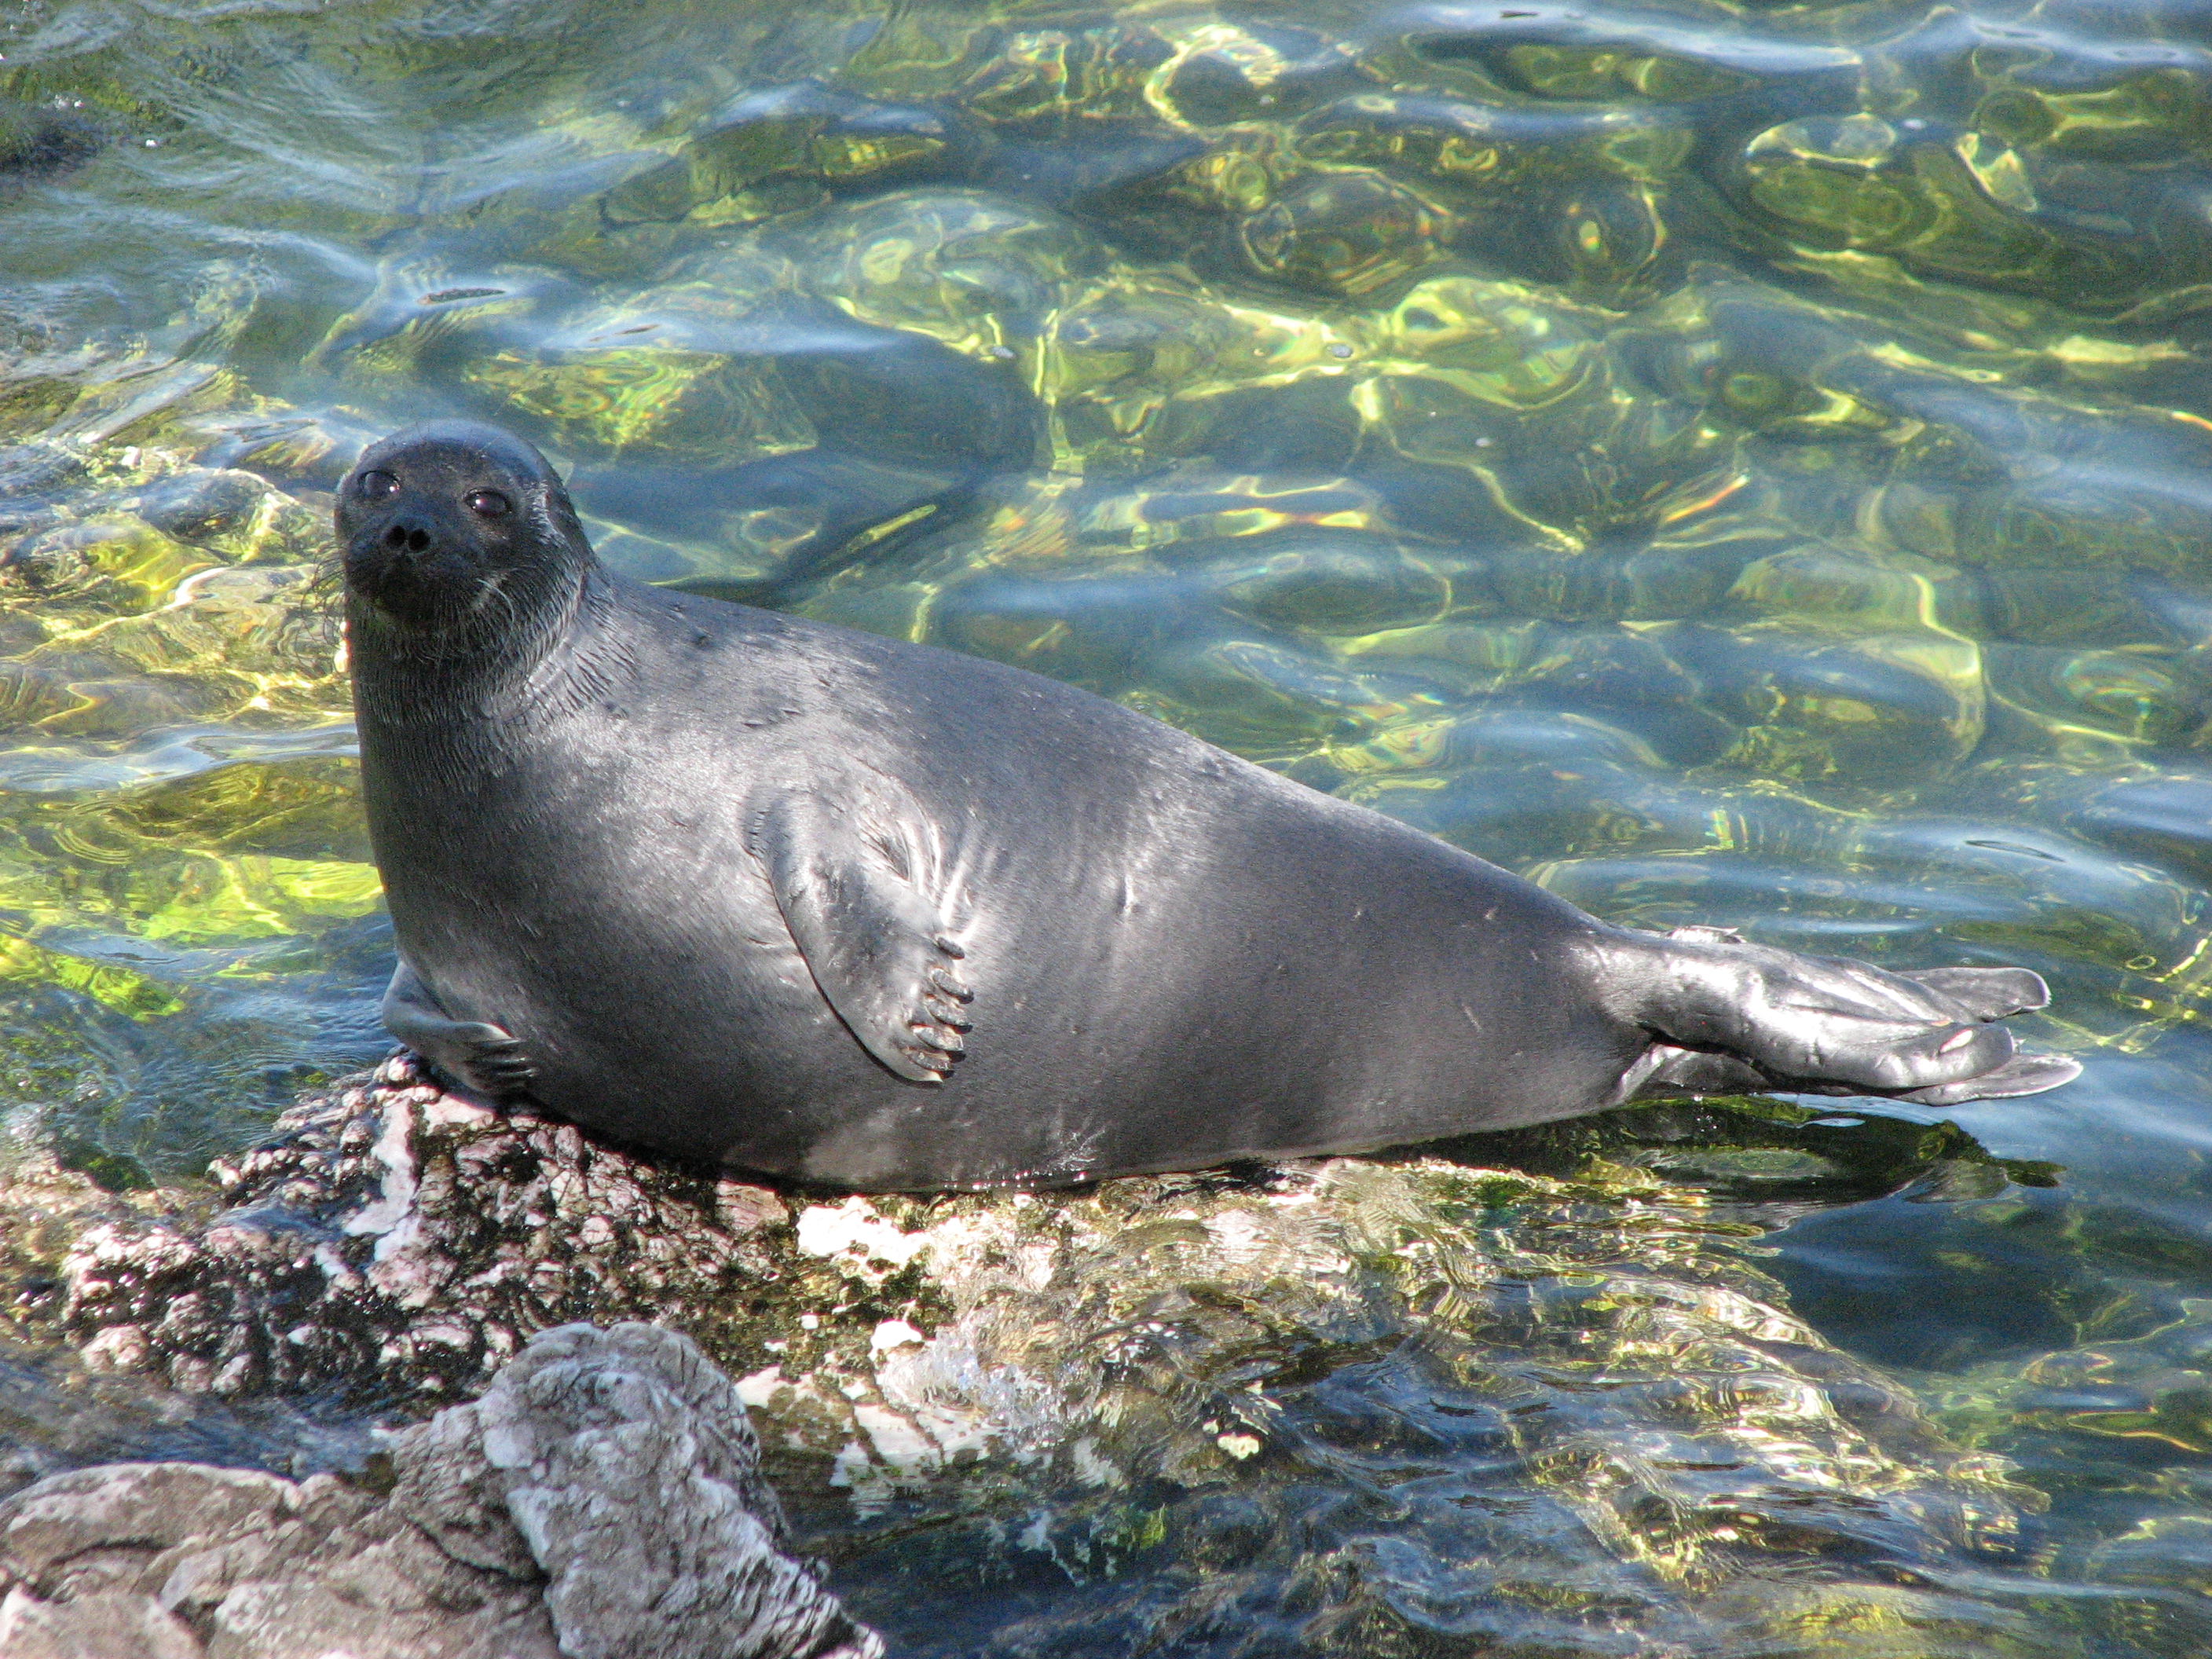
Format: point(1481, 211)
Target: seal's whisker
point(492, 587)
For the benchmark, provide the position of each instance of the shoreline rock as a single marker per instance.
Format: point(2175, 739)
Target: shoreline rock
point(394, 1237)
point(603, 1498)
point(1169, 1394)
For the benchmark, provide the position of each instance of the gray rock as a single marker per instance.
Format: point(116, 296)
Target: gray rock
point(392, 1235)
point(1611, 1417)
point(603, 1500)
point(104, 1624)
point(591, 1431)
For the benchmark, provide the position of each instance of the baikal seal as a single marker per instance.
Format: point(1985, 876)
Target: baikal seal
point(792, 898)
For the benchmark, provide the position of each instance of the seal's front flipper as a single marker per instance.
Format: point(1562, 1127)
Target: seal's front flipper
point(477, 1056)
point(1726, 1010)
point(874, 904)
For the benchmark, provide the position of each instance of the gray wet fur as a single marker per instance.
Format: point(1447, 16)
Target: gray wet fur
point(797, 899)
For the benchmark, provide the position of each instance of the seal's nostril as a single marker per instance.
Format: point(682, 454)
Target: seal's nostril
point(416, 541)
point(395, 537)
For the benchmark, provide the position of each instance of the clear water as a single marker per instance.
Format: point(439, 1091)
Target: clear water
point(1741, 463)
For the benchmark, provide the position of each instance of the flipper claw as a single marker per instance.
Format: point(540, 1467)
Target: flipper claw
point(483, 1058)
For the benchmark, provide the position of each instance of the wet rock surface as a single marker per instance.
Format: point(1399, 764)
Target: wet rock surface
point(603, 1498)
point(400, 1237)
point(1324, 1405)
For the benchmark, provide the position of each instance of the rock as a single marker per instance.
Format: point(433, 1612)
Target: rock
point(135, 1624)
point(1144, 1386)
point(604, 1499)
point(40, 144)
point(389, 1232)
point(590, 1432)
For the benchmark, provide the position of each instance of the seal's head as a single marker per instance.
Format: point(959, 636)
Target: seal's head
point(455, 536)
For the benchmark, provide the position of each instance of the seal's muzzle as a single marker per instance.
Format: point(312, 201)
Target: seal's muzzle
point(430, 527)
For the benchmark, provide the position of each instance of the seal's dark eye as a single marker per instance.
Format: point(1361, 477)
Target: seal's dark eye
point(376, 486)
point(491, 504)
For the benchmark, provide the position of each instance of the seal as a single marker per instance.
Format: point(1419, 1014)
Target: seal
point(748, 888)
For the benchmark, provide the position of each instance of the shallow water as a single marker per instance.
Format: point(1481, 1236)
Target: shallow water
point(1743, 465)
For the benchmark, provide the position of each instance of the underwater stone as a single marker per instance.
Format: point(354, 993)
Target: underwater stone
point(2072, 519)
point(719, 363)
point(1815, 702)
point(38, 144)
point(422, 317)
point(975, 272)
point(1495, 738)
point(1086, 624)
point(294, 449)
point(1621, 676)
point(1585, 464)
point(1234, 172)
point(2054, 94)
point(1599, 230)
point(1956, 205)
point(1346, 233)
point(113, 560)
point(1506, 343)
point(604, 1499)
point(1903, 593)
point(679, 373)
point(1259, 696)
point(2151, 697)
point(1040, 80)
point(1653, 583)
point(256, 621)
point(234, 513)
point(758, 154)
point(1339, 584)
point(918, 54)
point(1133, 370)
point(1223, 73)
point(1475, 147)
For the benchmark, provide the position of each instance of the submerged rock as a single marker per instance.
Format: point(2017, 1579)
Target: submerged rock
point(603, 1498)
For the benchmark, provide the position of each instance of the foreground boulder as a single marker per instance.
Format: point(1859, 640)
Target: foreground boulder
point(602, 1499)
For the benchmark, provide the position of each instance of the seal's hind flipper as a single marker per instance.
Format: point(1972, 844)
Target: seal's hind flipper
point(873, 903)
point(2023, 1074)
point(1985, 992)
point(479, 1056)
point(1726, 1009)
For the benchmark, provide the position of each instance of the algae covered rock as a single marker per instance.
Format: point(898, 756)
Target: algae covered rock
point(359, 1244)
point(1346, 233)
point(38, 144)
point(977, 272)
point(721, 364)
